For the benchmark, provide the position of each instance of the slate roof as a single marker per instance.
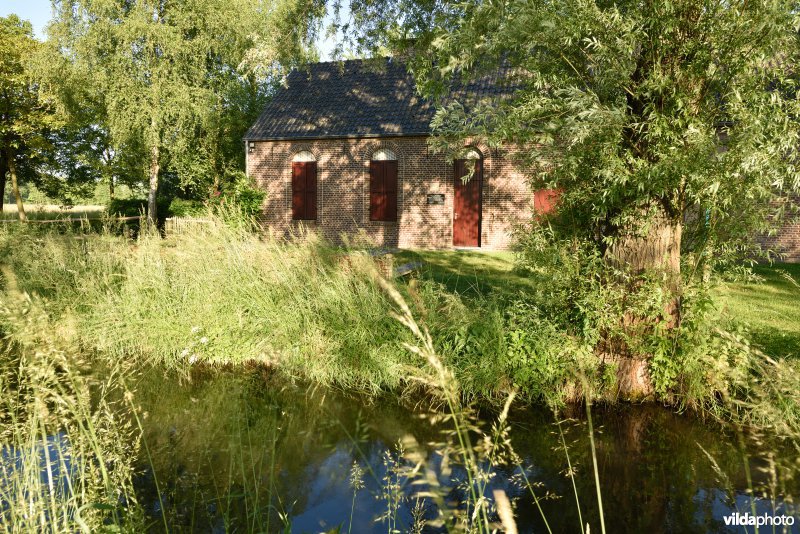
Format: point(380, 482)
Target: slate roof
point(356, 98)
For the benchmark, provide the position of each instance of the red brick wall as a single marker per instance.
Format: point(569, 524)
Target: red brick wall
point(343, 192)
point(786, 240)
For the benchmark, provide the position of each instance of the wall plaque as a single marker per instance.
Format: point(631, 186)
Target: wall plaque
point(436, 199)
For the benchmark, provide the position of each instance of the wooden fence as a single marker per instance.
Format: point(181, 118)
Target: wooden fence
point(34, 220)
point(172, 225)
point(177, 225)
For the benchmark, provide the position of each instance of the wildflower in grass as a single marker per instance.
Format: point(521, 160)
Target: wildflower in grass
point(204, 340)
point(195, 329)
point(193, 359)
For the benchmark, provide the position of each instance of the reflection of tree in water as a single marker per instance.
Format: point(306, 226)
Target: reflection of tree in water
point(237, 443)
point(654, 476)
point(237, 449)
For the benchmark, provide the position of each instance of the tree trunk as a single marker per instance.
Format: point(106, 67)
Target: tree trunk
point(12, 170)
point(111, 188)
point(152, 214)
point(657, 251)
point(2, 183)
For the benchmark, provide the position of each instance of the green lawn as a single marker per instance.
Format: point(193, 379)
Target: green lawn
point(771, 310)
point(467, 272)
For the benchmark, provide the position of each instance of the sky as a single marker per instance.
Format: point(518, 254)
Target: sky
point(38, 12)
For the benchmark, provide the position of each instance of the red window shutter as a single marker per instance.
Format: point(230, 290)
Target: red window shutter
point(311, 190)
point(298, 190)
point(383, 190)
point(376, 197)
point(304, 190)
point(390, 186)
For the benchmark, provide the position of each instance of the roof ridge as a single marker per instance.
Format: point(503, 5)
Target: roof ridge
point(353, 60)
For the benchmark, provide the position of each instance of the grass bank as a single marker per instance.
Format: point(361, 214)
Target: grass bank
point(221, 294)
point(769, 307)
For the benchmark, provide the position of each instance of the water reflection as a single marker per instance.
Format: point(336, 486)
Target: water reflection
point(249, 452)
point(52, 465)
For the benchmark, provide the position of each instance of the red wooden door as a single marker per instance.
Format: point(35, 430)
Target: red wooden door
point(467, 204)
point(383, 190)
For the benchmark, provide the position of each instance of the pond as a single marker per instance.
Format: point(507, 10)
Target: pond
point(247, 451)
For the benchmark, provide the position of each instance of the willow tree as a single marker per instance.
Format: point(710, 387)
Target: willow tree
point(25, 118)
point(668, 127)
point(168, 76)
point(643, 114)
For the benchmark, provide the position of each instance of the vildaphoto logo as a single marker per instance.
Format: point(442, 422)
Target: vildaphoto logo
point(746, 519)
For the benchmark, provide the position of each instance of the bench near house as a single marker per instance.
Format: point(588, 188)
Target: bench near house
point(343, 149)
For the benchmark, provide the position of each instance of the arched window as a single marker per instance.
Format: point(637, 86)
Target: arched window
point(383, 154)
point(304, 186)
point(383, 186)
point(304, 156)
point(472, 154)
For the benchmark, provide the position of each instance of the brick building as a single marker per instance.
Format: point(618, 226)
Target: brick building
point(342, 149)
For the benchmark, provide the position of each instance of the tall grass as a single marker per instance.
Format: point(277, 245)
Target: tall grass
point(222, 294)
point(66, 461)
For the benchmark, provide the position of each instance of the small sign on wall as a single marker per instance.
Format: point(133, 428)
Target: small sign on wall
point(435, 199)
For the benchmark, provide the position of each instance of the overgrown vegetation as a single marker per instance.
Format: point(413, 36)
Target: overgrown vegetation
point(221, 294)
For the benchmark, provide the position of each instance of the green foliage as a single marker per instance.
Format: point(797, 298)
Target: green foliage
point(241, 192)
point(26, 119)
point(170, 91)
point(59, 151)
point(541, 358)
point(186, 208)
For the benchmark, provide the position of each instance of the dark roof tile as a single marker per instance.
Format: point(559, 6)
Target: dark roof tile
point(356, 98)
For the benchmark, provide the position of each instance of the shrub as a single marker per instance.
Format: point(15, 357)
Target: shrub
point(131, 207)
point(180, 207)
point(240, 191)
